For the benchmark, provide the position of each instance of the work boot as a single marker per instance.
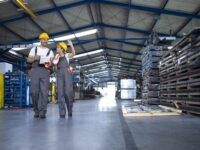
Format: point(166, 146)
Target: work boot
point(69, 114)
point(36, 115)
point(62, 116)
point(42, 116)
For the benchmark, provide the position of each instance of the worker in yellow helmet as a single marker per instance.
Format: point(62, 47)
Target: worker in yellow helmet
point(40, 57)
point(64, 78)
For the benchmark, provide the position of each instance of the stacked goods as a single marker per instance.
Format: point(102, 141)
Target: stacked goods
point(150, 72)
point(128, 89)
point(180, 74)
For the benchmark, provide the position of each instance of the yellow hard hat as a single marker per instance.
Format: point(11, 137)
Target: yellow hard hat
point(43, 36)
point(63, 45)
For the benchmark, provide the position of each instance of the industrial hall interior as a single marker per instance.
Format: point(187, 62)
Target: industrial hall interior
point(99, 74)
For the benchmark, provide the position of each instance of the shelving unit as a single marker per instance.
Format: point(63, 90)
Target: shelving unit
point(15, 93)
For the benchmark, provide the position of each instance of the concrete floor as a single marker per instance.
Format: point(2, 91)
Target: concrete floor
point(97, 125)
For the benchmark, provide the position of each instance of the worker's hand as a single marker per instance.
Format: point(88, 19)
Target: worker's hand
point(56, 59)
point(47, 64)
point(37, 57)
point(69, 42)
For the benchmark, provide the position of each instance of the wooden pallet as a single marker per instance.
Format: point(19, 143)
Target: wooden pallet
point(185, 107)
point(180, 78)
point(151, 99)
point(179, 64)
point(152, 88)
point(179, 69)
point(180, 74)
point(180, 61)
point(192, 37)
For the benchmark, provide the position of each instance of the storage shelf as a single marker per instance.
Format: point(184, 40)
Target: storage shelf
point(15, 93)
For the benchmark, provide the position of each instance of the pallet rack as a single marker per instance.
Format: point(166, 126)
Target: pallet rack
point(180, 74)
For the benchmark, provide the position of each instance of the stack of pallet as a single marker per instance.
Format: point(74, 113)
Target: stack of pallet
point(180, 74)
point(150, 72)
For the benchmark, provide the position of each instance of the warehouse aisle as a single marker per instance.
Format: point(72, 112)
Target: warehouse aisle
point(96, 125)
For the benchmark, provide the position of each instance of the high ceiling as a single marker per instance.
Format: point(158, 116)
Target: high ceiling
point(123, 26)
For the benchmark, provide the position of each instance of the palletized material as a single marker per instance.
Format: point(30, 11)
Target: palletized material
point(180, 74)
point(128, 89)
point(1, 90)
point(150, 71)
point(128, 83)
point(128, 94)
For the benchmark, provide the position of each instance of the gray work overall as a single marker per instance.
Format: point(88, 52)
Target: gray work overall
point(65, 87)
point(39, 88)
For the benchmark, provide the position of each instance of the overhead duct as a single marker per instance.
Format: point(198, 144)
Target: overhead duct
point(25, 7)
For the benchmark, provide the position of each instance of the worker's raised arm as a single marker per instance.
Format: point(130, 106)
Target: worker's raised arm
point(73, 53)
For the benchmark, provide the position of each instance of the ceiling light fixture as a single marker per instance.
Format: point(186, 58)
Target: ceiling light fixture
point(3, 1)
point(88, 53)
point(73, 36)
point(18, 48)
point(93, 64)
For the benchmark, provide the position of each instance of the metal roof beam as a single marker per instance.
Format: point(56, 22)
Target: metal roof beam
point(110, 40)
point(68, 25)
point(131, 59)
point(122, 62)
point(113, 3)
point(186, 22)
point(164, 3)
point(95, 57)
point(46, 11)
point(28, 16)
point(124, 51)
point(13, 32)
point(96, 26)
point(148, 9)
point(121, 67)
point(113, 62)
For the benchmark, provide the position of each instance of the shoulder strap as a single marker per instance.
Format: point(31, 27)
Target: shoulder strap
point(48, 52)
point(35, 50)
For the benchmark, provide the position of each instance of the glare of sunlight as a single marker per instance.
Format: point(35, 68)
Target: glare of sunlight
point(108, 101)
